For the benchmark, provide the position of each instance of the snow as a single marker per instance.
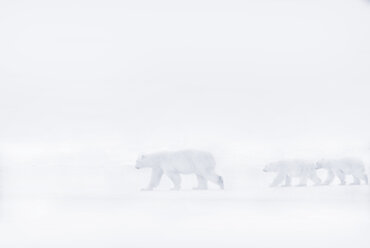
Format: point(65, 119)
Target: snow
point(113, 212)
point(86, 86)
point(188, 218)
point(97, 202)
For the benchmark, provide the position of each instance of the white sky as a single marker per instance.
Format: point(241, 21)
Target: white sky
point(196, 73)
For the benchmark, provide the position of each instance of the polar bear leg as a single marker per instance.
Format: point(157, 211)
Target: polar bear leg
point(155, 178)
point(358, 176)
point(288, 181)
point(356, 180)
point(315, 178)
point(342, 177)
point(176, 180)
point(330, 177)
point(278, 179)
point(210, 175)
point(364, 177)
point(202, 183)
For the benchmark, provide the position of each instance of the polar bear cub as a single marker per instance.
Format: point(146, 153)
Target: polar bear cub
point(287, 169)
point(342, 167)
point(172, 164)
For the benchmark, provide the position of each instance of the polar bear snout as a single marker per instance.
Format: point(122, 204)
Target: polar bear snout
point(264, 170)
point(137, 167)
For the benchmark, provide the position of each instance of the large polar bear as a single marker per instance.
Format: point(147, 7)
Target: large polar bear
point(200, 163)
point(342, 167)
point(286, 169)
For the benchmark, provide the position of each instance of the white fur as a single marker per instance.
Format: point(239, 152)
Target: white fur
point(172, 164)
point(286, 169)
point(342, 167)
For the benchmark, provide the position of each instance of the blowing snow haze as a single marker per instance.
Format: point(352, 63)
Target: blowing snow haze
point(89, 87)
point(194, 74)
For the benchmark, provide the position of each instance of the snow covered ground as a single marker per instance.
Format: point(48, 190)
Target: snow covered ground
point(87, 85)
point(295, 217)
point(108, 210)
point(93, 199)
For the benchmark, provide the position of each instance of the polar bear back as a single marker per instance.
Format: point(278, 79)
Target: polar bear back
point(295, 167)
point(185, 161)
point(347, 165)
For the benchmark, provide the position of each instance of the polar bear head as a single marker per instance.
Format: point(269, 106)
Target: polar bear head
point(144, 161)
point(271, 167)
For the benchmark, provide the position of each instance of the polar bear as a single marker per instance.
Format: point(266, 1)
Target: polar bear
point(172, 164)
point(342, 167)
point(286, 169)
